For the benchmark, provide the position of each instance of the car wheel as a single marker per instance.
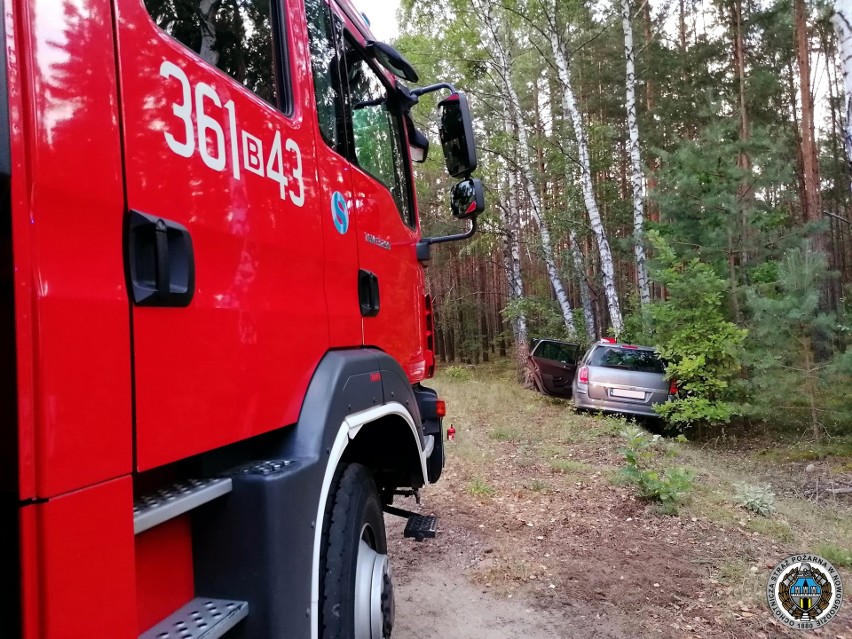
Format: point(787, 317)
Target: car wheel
point(356, 589)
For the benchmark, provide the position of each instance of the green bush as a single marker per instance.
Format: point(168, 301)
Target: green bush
point(758, 499)
point(668, 486)
point(458, 373)
point(796, 371)
point(703, 349)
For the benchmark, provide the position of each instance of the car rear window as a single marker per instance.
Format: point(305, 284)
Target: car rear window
point(627, 359)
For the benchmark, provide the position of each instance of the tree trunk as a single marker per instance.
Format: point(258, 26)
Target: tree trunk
point(512, 262)
point(585, 294)
point(650, 104)
point(843, 25)
point(513, 110)
point(569, 105)
point(743, 159)
point(207, 11)
point(637, 177)
point(812, 205)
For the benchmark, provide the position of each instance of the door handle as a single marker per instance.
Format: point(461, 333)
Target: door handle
point(368, 293)
point(160, 261)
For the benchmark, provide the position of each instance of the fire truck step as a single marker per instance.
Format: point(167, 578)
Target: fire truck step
point(201, 618)
point(421, 526)
point(175, 500)
point(418, 526)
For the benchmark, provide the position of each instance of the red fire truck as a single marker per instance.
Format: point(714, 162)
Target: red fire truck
point(214, 322)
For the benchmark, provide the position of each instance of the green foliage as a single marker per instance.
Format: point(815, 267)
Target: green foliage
point(702, 348)
point(502, 434)
point(668, 486)
point(543, 316)
point(458, 373)
point(838, 556)
point(567, 466)
point(758, 499)
point(478, 487)
point(788, 328)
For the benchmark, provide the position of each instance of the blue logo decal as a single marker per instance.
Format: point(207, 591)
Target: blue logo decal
point(340, 213)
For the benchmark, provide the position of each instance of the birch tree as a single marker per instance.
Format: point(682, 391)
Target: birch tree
point(572, 113)
point(637, 176)
point(503, 60)
point(585, 293)
point(843, 26)
point(511, 222)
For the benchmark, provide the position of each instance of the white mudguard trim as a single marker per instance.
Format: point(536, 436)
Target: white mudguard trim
point(349, 429)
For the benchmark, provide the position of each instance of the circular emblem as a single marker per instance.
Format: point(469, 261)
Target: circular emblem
point(340, 213)
point(804, 592)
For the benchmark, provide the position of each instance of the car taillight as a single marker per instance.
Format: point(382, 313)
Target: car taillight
point(673, 387)
point(583, 375)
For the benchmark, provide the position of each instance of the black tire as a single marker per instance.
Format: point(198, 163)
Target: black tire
point(353, 512)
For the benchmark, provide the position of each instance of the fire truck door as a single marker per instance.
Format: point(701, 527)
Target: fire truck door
point(386, 221)
point(225, 249)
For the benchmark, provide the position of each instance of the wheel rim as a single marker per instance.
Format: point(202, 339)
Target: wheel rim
point(374, 603)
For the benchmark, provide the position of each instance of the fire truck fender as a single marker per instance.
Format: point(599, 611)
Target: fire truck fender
point(262, 543)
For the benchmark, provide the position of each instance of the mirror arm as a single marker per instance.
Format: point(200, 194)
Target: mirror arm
point(434, 87)
point(424, 246)
point(453, 238)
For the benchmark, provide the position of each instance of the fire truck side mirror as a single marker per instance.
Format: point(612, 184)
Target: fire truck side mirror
point(467, 199)
point(418, 143)
point(457, 135)
point(392, 60)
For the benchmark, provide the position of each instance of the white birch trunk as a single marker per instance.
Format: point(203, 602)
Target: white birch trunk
point(511, 220)
point(585, 293)
point(514, 112)
point(637, 176)
point(569, 105)
point(512, 261)
point(843, 26)
point(207, 52)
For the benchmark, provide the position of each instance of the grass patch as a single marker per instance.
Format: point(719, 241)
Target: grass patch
point(566, 466)
point(745, 582)
point(807, 452)
point(538, 486)
point(838, 556)
point(779, 530)
point(478, 487)
point(503, 434)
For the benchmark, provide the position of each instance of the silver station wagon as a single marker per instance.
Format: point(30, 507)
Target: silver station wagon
point(621, 378)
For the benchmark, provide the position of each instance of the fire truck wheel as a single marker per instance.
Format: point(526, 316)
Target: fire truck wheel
point(356, 586)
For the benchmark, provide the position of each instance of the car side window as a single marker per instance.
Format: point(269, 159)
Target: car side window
point(238, 38)
point(555, 352)
point(325, 45)
point(378, 132)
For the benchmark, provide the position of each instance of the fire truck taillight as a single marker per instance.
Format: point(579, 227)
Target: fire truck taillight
point(429, 336)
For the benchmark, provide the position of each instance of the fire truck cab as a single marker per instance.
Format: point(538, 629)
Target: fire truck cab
point(214, 320)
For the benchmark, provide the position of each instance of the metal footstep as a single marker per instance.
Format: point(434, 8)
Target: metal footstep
point(201, 618)
point(175, 500)
point(418, 527)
